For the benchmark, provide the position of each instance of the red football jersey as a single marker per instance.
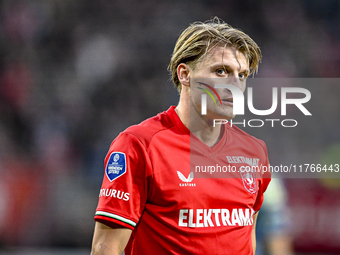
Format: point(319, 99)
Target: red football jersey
point(177, 194)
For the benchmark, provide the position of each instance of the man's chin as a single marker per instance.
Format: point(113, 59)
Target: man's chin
point(219, 115)
point(227, 116)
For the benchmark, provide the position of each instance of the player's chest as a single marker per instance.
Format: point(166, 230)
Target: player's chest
point(194, 179)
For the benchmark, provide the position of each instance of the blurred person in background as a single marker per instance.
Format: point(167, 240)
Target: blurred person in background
point(273, 224)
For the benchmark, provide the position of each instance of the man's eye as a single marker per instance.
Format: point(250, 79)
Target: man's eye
point(242, 76)
point(221, 71)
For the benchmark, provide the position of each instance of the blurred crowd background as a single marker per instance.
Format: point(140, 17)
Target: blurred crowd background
point(73, 74)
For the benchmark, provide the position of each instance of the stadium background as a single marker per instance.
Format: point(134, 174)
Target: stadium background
point(73, 74)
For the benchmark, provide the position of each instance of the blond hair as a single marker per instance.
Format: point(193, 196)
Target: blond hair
point(200, 37)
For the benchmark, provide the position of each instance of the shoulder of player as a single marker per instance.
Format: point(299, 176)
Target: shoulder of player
point(147, 129)
point(239, 131)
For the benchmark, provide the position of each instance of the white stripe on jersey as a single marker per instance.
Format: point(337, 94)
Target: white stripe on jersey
point(117, 217)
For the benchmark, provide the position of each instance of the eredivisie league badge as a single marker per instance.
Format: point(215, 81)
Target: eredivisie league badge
point(116, 166)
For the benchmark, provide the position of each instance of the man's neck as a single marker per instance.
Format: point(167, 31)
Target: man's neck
point(198, 126)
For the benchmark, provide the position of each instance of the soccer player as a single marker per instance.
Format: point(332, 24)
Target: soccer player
point(151, 201)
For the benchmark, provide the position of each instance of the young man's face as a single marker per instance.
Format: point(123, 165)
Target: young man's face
point(231, 67)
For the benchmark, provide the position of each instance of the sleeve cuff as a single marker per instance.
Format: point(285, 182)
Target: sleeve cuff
point(111, 217)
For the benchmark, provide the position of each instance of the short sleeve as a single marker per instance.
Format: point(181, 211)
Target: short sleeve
point(123, 194)
point(264, 178)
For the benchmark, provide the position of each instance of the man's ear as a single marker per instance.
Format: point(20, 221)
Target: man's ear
point(183, 74)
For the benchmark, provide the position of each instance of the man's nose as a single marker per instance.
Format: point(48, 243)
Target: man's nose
point(235, 81)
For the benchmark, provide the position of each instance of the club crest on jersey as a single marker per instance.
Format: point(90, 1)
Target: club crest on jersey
point(248, 179)
point(116, 166)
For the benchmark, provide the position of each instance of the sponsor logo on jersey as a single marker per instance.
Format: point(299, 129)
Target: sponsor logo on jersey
point(116, 166)
point(204, 218)
point(186, 181)
point(241, 159)
point(114, 193)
